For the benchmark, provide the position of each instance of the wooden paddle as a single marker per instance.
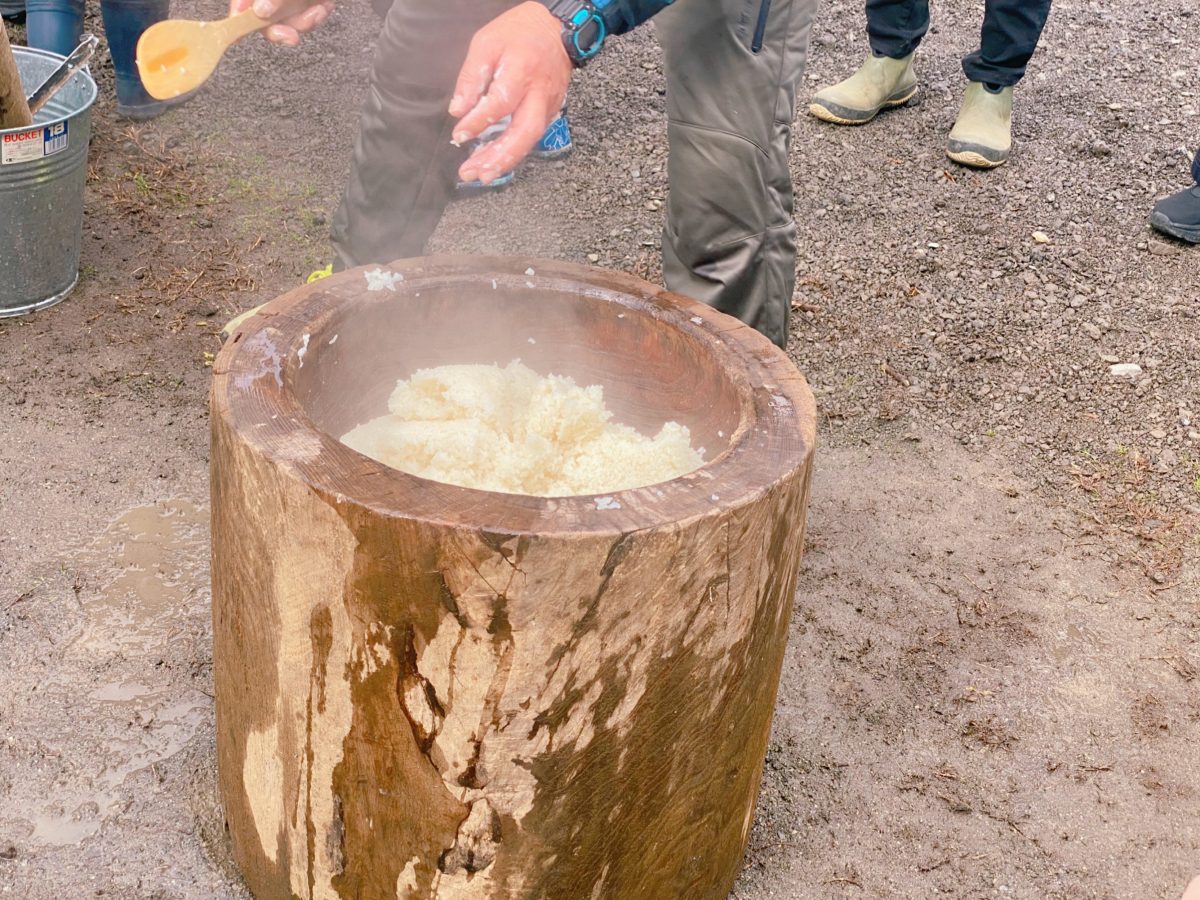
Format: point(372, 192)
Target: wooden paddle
point(14, 111)
point(178, 55)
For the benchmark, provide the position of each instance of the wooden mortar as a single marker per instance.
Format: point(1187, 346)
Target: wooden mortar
point(431, 691)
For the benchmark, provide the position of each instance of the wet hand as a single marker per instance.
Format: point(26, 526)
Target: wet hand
point(289, 30)
point(516, 66)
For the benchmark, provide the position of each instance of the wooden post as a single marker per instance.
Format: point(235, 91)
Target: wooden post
point(429, 691)
point(14, 111)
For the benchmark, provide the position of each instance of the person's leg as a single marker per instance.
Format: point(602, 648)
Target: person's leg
point(124, 22)
point(54, 25)
point(982, 133)
point(895, 27)
point(13, 11)
point(732, 67)
point(1011, 29)
point(404, 168)
point(1196, 165)
point(886, 79)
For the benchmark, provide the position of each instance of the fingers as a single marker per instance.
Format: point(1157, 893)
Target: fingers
point(311, 17)
point(237, 6)
point(473, 79)
point(488, 111)
point(502, 155)
point(289, 30)
point(507, 90)
point(283, 34)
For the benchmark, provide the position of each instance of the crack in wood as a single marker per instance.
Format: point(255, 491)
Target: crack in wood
point(475, 843)
point(409, 677)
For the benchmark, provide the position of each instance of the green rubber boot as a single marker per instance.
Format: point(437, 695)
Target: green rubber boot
point(982, 135)
point(879, 84)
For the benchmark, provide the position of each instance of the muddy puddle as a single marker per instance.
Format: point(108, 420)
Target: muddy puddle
point(150, 563)
point(142, 587)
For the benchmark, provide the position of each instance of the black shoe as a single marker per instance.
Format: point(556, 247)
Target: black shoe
point(1179, 215)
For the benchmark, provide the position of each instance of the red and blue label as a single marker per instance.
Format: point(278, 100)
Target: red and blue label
point(34, 143)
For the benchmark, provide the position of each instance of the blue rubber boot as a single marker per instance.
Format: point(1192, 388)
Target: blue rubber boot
point(13, 10)
point(124, 22)
point(54, 25)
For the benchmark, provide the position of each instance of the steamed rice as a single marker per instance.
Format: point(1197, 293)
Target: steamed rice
point(514, 431)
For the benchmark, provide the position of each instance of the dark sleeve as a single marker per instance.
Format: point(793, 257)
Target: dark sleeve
point(621, 16)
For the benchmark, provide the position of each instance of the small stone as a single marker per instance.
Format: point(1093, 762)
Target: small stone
point(1041, 237)
point(593, 257)
point(1159, 248)
point(1157, 433)
point(1093, 331)
point(1128, 371)
point(1168, 458)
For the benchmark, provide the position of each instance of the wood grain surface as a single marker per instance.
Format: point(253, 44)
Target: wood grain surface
point(431, 691)
point(14, 111)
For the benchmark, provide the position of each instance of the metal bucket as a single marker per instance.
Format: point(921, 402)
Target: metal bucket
point(42, 173)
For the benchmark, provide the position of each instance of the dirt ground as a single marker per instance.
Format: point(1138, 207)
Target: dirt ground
point(991, 688)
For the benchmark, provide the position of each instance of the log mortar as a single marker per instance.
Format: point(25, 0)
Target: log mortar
point(431, 691)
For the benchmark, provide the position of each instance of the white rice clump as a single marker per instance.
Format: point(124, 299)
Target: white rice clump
point(514, 431)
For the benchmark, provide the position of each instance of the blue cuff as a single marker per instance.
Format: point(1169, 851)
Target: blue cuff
point(621, 16)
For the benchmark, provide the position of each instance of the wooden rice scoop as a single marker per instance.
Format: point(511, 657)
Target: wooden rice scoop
point(431, 691)
point(176, 56)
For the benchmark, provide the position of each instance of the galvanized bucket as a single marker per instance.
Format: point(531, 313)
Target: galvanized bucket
point(42, 174)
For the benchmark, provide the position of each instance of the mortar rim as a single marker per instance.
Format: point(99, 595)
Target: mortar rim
point(281, 328)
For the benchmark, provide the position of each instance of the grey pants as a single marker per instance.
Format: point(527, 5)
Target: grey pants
point(732, 67)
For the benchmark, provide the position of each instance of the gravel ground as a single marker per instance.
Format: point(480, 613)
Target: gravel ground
point(991, 685)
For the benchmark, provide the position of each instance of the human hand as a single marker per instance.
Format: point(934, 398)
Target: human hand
point(289, 30)
point(516, 66)
point(1193, 890)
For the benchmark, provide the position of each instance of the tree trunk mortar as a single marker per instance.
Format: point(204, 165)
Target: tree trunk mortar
point(432, 691)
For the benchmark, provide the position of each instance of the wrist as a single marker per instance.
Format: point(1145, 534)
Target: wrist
point(541, 21)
